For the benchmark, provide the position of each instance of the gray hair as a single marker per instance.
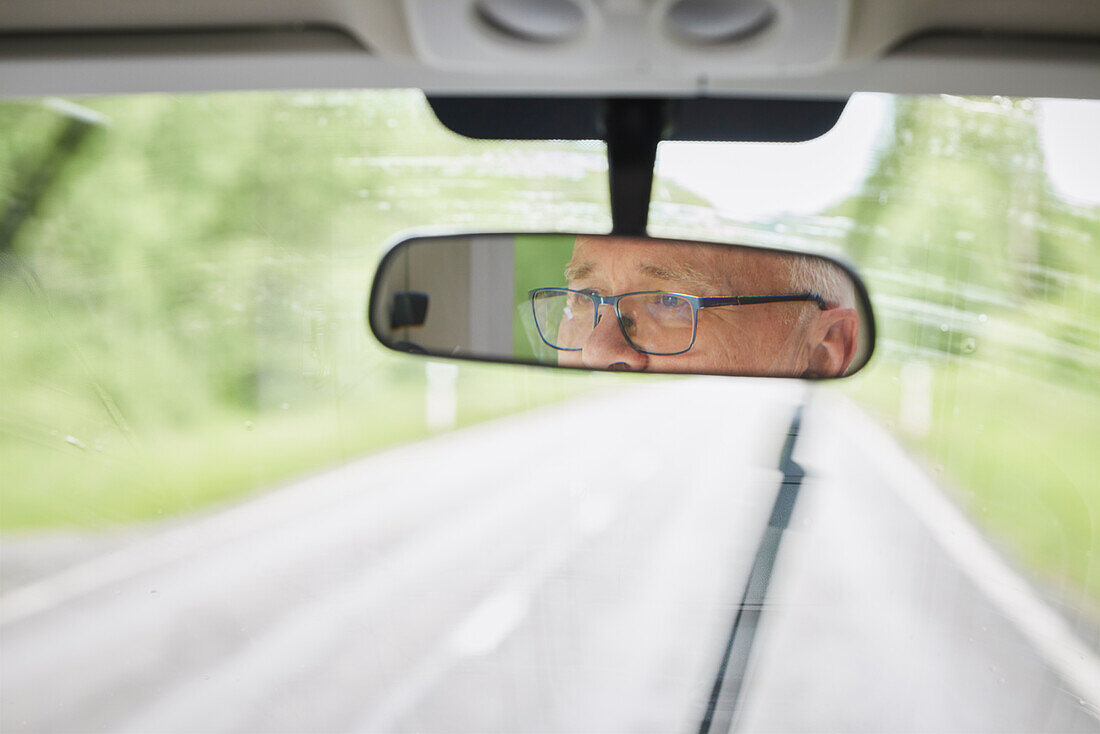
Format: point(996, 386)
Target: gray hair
point(827, 279)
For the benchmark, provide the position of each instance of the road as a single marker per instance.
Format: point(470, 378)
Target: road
point(576, 569)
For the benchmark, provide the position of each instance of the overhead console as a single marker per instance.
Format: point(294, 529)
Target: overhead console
point(663, 39)
point(827, 48)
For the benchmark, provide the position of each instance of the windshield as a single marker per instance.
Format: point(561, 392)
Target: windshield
point(224, 507)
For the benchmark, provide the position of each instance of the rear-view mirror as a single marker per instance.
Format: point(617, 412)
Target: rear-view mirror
point(622, 303)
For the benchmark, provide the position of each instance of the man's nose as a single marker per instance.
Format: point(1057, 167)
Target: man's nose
point(607, 348)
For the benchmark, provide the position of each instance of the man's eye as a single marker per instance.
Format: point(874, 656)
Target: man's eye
point(667, 300)
point(578, 305)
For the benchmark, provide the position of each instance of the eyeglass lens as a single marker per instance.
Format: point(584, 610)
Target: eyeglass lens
point(658, 323)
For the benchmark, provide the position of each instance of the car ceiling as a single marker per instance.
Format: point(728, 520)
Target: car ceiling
point(809, 47)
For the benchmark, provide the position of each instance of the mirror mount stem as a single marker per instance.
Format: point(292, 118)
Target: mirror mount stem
point(632, 128)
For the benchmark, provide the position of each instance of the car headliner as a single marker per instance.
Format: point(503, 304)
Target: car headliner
point(62, 47)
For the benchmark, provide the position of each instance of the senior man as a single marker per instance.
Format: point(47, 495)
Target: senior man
point(668, 306)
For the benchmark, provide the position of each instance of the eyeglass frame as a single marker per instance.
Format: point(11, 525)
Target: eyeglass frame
point(696, 302)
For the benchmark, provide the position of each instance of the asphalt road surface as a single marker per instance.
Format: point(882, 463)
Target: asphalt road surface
point(575, 569)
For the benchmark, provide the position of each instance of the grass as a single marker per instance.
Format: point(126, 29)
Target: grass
point(1019, 455)
point(168, 471)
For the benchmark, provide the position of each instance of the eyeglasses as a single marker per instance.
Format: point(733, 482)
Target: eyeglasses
point(653, 322)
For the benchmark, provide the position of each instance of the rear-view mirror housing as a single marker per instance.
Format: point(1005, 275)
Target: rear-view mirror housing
point(604, 302)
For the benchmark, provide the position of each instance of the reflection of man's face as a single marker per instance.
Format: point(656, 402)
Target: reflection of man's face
point(768, 338)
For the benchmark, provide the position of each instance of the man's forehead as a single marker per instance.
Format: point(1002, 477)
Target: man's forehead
point(704, 264)
point(595, 253)
point(672, 271)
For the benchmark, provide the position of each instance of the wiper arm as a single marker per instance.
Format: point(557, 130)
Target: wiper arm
point(724, 696)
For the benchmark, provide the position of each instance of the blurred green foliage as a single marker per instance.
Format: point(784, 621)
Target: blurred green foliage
point(969, 248)
point(540, 262)
point(197, 278)
point(181, 315)
point(986, 277)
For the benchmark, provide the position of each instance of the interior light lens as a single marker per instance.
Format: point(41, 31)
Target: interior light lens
point(718, 21)
point(538, 21)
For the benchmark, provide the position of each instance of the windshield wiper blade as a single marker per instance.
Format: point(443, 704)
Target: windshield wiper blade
point(725, 694)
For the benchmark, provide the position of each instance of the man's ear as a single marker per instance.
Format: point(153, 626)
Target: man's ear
point(833, 343)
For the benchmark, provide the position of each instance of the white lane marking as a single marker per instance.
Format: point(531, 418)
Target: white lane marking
point(312, 629)
point(490, 623)
point(479, 633)
point(492, 620)
point(1050, 634)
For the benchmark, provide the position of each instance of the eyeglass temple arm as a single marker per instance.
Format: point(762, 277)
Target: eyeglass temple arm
point(749, 300)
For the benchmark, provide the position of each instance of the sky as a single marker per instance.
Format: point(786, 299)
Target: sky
point(1069, 131)
point(804, 178)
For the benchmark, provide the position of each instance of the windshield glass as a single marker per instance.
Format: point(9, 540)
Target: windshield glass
point(226, 508)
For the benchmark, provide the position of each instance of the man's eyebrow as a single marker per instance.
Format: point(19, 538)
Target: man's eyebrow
point(575, 271)
point(678, 272)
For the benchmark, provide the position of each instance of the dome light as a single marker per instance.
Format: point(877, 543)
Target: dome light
point(537, 21)
point(718, 21)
